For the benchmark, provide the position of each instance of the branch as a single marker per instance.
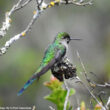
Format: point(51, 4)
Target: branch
point(34, 107)
point(92, 84)
point(100, 96)
point(108, 103)
point(23, 5)
point(78, 104)
point(7, 23)
point(51, 108)
point(84, 69)
point(22, 34)
point(80, 3)
point(94, 97)
point(103, 85)
point(41, 7)
point(68, 92)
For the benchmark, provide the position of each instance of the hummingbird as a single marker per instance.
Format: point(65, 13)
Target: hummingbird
point(55, 53)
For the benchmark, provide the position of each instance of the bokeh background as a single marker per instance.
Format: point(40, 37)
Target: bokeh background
point(91, 23)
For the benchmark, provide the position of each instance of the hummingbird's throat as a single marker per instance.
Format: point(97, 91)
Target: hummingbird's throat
point(64, 42)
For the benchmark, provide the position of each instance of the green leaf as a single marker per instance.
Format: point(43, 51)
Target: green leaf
point(58, 94)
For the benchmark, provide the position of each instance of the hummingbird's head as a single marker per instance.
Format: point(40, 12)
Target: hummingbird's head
point(64, 37)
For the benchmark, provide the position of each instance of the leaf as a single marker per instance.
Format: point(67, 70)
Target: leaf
point(58, 93)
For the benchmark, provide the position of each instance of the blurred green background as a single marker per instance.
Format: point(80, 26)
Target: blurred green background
point(91, 23)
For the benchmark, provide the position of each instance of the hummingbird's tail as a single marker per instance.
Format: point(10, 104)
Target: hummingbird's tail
point(27, 84)
point(36, 76)
point(40, 71)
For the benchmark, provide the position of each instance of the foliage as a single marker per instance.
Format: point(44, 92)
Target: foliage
point(58, 93)
point(83, 106)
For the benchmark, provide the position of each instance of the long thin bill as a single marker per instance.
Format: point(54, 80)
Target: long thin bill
point(75, 39)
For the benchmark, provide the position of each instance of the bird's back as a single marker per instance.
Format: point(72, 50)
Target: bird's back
point(51, 52)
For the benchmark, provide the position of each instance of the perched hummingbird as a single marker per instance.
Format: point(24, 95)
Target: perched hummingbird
point(54, 54)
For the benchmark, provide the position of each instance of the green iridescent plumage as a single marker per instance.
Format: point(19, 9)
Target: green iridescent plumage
point(54, 53)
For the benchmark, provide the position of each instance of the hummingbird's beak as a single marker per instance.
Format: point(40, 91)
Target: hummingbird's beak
point(75, 39)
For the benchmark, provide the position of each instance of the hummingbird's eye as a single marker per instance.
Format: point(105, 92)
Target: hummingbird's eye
point(65, 37)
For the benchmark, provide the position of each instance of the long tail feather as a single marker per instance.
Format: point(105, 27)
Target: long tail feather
point(37, 75)
point(28, 83)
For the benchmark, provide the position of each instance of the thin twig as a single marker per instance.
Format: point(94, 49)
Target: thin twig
point(83, 67)
point(93, 84)
point(51, 108)
point(100, 85)
point(78, 3)
point(100, 96)
point(15, 7)
point(39, 3)
point(107, 104)
point(7, 23)
point(85, 72)
point(67, 96)
point(78, 104)
point(94, 97)
point(34, 107)
point(103, 85)
point(23, 5)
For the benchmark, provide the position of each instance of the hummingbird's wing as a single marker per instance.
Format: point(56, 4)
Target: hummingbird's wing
point(56, 58)
point(59, 54)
